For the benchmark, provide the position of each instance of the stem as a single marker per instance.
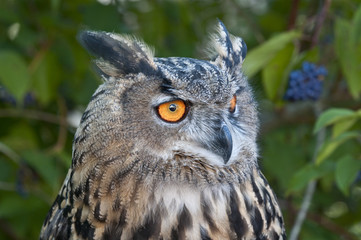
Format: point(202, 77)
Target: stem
point(320, 138)
point(32, 114)
point(7, 230)
point(319, 23)
point(303, 211)
point(293, 15)
point(9, 153)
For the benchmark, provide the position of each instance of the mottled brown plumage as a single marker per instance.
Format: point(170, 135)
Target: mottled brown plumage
point(137, 175)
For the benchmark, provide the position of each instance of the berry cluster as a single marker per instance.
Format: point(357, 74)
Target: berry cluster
point(7, 98)
point(305, 84)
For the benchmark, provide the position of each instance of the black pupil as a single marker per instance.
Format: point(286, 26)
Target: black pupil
point(172, 107)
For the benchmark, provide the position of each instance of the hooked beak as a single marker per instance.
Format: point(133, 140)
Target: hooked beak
point(222, 144)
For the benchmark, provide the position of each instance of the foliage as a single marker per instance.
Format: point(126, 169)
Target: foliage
point(46, 81)
point(347, 47)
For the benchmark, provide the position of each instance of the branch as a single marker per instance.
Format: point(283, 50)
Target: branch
point(7, 230)
point(293, 15)
point(304, 209)
point(319, 23)
point(321, 135)
point(39, 56)
point(37, 115)
point(11, 154)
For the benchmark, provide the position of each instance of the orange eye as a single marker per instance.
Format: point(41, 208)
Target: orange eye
point(233, 103)
point(172, 111)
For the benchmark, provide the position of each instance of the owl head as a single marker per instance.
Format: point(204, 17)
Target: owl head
point(159, 108)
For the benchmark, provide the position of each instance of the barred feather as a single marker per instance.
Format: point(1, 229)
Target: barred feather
point(134, 176)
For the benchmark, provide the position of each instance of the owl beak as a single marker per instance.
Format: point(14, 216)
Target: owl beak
point(223, 143)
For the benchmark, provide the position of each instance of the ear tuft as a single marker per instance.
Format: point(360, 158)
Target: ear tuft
point(118, 55)
point(230, 51)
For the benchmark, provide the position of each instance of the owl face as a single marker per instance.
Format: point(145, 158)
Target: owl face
point(169, 106)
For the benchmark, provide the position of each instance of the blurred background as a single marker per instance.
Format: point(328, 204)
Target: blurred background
point(303, 61)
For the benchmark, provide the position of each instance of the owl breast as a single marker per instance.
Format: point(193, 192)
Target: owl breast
point(222, 211)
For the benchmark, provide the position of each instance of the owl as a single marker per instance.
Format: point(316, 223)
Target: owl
point(166, 149)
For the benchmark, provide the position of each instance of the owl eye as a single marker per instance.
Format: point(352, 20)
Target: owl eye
point(173, 111)
point(233, 104)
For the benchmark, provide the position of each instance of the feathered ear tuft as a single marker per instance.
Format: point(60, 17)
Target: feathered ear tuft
point(118, 55)
point(230, 51)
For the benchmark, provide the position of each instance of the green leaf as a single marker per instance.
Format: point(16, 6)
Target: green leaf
point(46, 78)
point(308, 173)
point(55, 5)
point(259, 57)
point(342, 34)
point(355, 44)
point(274, 74)
point(348, 51)
point(302, 177)
point(13, 205)
point(45, 166)
point(312, 55)
point(331, 116)
point(14, 74)
point(23, 213)
point(65, 158)
point(343, 125)
point(346, 172)
point(20, 137)
point(356, 27)
point(330, 146)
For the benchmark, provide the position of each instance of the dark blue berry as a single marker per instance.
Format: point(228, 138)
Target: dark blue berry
point(19, 184)
point(7, 97)
point(29, 99)
point(308, 67)
point(305, 84)
point(358, 177)
point(321, 71)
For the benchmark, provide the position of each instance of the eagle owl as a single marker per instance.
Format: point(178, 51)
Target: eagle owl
point(166, 149)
